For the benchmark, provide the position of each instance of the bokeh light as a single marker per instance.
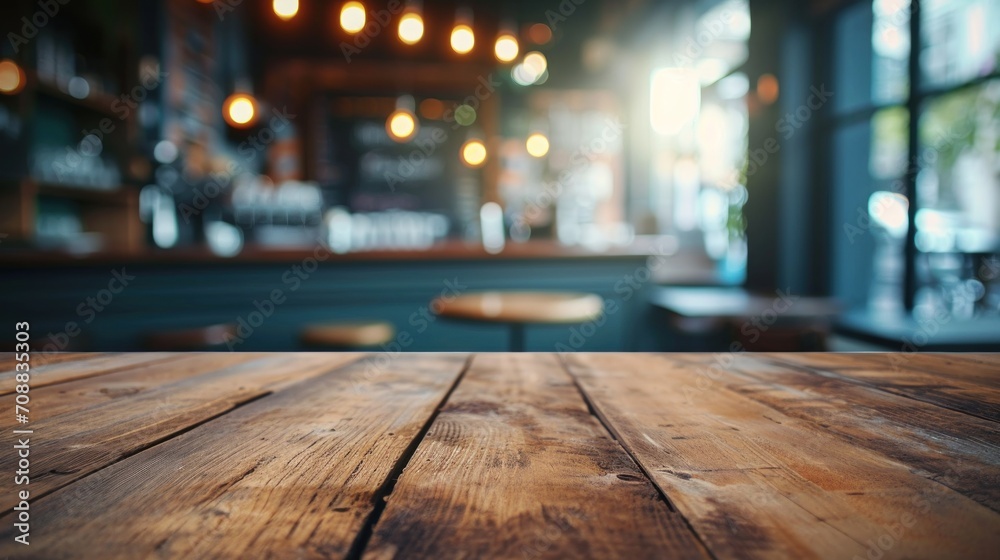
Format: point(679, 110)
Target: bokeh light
point(401, 125)
point(474, 153)
point(506, 48)
point(411, 28)
point(12, 77)
point(239, 110)
point(352, 17)
point(537, 145)
point(462, 39)
point(285, 9)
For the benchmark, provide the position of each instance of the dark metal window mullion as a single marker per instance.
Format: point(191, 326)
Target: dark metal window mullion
point(913, 151)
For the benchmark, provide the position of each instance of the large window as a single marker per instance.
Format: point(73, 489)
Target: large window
point(930, 130)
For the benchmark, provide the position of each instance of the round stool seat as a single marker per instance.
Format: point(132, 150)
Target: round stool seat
point(347, 335)
point(521, 307)
point(198, 338)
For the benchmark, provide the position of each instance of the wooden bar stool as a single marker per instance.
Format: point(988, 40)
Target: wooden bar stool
point(211, 337)
point(346, 336)
point(518, 309)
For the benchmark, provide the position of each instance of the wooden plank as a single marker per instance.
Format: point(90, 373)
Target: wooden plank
point(89, 366)
point(70, 446)
point(930, 440)
point(978, 369)
point(82, 394)
point(515, 466)
point(950, 391)
point(757, 483)
point(7, 359)
point(292, 475)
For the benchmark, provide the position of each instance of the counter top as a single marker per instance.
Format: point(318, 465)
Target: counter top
point(444, 251)
point(509, 455)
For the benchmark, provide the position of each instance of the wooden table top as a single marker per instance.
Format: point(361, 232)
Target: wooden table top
point(507, 456)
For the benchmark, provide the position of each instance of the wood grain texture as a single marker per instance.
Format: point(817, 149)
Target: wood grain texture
point(515, 466)
point(955, 449)
point(7, 359)
point(954, 390)
point(70, 446)
point(755, 482)
point(292, 475)
point(978, 369)
point(90, 392)
point(88, 365)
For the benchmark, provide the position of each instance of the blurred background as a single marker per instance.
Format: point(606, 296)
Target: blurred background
point(723, 175)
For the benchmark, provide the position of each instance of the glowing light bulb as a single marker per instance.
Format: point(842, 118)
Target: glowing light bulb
point(506, 48)
point(401, 125)
point(285, 9)
point(474, 153)
point(462, 39)
point(12, 78)
point(537, 144)
point(239, 110)
point(411, 28)
point(352, 17)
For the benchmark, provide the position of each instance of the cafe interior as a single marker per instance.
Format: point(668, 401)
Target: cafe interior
point(526, 175)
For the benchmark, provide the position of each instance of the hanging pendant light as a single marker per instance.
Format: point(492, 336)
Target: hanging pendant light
point(402, 125)
point(240, 110)
point(463, 38)
point(285, 9)
point(506, 47)
point(352, 17)
point(411, 25)
point(473, 153)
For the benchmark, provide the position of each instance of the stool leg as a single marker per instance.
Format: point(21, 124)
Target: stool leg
point(516, 337)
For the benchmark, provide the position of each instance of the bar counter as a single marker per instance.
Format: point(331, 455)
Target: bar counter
point(446, 250)
point(149, 291)
point(508, 456)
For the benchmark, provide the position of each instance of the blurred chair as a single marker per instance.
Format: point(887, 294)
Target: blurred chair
point(211, 337)
point(347, 335)
point(518, 309)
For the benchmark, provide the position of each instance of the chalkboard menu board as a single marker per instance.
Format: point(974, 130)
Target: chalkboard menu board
point(362, 168)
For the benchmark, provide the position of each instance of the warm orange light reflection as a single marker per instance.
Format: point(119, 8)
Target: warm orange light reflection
point(462, 39)
point(431, 109)
point(540, 33)
point(767, 89)
point(12, 77)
